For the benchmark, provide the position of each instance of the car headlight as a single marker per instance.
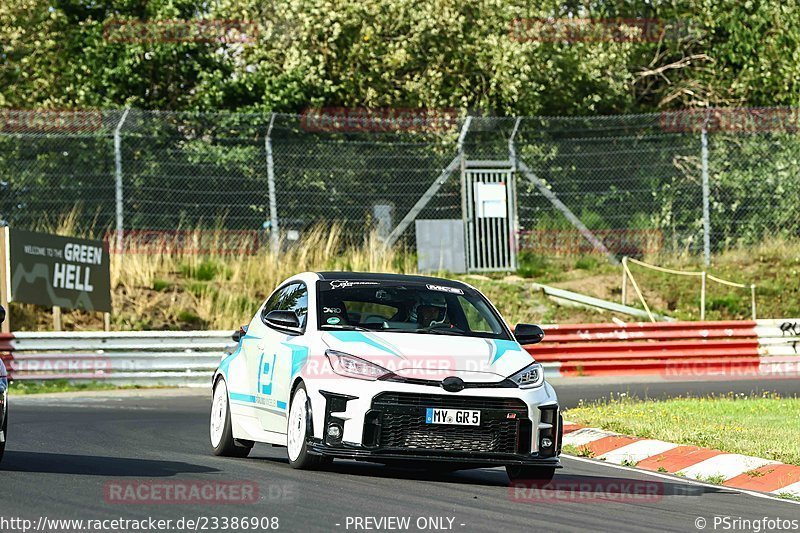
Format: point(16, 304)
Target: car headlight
point(351, 366)
point(529, 377)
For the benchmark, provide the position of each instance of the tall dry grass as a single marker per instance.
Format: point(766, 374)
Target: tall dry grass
point(223, 291)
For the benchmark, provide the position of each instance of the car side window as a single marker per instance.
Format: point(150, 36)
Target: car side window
point(292, 297)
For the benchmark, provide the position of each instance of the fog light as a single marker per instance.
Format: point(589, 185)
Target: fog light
point(546, 443)
point(334, 431)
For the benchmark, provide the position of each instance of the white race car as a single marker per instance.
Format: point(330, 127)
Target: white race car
point(387, 368)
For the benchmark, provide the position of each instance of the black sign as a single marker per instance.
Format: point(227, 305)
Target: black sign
point(59, 271)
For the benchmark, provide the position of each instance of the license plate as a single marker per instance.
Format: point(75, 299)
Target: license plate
point(459, 417)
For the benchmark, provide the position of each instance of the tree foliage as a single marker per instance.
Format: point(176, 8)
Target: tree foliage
point(400, 53)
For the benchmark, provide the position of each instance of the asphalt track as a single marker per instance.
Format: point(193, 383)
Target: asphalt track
point(63, 452)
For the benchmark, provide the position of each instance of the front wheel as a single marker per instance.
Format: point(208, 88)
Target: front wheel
point(298, 432)
point(533, 474)
point(220, 425)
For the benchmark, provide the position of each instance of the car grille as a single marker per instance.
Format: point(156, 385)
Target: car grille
point(448, 402)
point(397, 421)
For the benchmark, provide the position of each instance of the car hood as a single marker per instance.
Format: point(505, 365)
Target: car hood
point(433, 356)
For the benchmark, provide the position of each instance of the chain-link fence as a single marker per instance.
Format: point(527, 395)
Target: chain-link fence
point(636, 183)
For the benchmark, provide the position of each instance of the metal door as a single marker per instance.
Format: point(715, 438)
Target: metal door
point(490, 195)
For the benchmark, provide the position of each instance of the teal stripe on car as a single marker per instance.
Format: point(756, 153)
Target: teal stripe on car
point(357, 336)
point(501, 347)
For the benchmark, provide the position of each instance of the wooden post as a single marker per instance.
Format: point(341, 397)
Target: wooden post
point(107, 321)
point(56, 318)
point(5, 279)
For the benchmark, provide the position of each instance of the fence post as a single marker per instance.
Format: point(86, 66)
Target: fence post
point(465, 219)
point(514, 218)
point(703, 295)
point(118, 178)
point(706, 199)
point(273, 202)
point(624, 290)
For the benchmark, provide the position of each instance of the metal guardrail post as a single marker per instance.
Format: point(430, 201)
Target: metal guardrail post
point(120, 207)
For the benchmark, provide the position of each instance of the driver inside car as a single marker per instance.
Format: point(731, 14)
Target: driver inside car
point(429, 313)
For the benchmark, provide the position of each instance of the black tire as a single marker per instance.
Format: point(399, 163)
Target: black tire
point(304, 459)
point(227, 446)
point(533, 474)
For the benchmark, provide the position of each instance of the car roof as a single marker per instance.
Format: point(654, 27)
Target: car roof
point(377, 276)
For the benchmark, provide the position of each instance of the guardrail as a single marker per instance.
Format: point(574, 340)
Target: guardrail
point(188, 358)
point(565, 297)
point(182, 358)
point(673, 349)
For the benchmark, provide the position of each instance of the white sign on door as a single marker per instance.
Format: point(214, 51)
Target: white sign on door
point(490, 200)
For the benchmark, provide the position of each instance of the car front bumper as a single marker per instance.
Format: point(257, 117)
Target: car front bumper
point(385, 422)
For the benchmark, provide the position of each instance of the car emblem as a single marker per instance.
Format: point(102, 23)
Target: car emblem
point(453, 384)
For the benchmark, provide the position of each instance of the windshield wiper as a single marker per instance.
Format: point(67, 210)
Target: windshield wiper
point(344, 327)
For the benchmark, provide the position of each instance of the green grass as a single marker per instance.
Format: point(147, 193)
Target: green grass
point(160, 285)
point(765, 426)
point(205, 270)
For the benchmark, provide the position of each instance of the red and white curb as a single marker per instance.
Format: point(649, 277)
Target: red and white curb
point(703, 464)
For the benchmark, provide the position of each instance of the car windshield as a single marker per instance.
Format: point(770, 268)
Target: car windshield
point(397, 306)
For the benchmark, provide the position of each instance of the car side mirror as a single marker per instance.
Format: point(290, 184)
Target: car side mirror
point(282, 319)
point(528, 334)
point(2, 314)
point(239, 333)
